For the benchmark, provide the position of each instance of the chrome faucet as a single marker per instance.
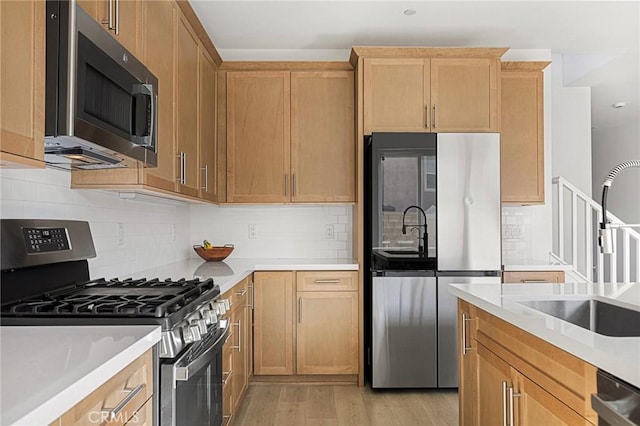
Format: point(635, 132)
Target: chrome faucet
point(422, 245)
point(605, 233)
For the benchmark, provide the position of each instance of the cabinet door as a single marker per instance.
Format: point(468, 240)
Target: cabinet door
point(535, 406)
point(494, 377)
point(522, 138)
point(158, 40)
point(22, 43)
point(327, 333)
point(258, 135)
point(207, 136)
point(396, 95)
point(467, 361)
point(273, 323)
point(119, 17)
point(464, 95)
point(322, 137)
point(187, 109)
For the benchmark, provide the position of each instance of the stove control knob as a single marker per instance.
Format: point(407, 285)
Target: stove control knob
point(222, 308)
point(191, 334)
point(227, 304)
point(209, 316)
point(202, 326)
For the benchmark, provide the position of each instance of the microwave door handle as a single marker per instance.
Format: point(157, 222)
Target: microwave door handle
point(145, 139)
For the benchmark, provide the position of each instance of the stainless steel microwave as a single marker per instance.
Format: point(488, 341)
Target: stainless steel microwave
point(101, 102)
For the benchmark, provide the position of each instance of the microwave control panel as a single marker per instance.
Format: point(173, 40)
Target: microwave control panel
point(45, 240)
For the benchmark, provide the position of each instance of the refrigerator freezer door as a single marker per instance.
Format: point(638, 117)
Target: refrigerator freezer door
point(468, 188)
point(448, 328)
point(404, 332)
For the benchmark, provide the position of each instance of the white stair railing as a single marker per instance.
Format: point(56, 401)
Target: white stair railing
point(575, 220)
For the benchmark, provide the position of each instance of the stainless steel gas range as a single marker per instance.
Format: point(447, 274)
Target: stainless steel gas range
point(45, 281)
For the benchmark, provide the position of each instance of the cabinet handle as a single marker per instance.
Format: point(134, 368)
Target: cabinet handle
point(182, 178)
point(115, 412)
point(239, 346)
point(226, 380)
point(117, 17)
point(334, 281)
point(109, 20)
point(426, 113)
point(293, 185)
point(286, 185)
point(504, 403)
point(250, 305)
point(534, 281)
point(511, 397)
point(242, 292)
point(205, 169)
point(228, 419)
point(299, 309)
point(465, 348)
point(435, 116)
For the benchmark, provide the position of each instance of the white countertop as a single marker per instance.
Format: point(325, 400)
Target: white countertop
point(47, 370)
point(233, 270)
point(619, 356)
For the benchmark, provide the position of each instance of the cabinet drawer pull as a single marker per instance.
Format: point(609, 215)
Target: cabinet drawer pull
point(534, 281)
point(426, 113)
point(242, 292)
point(205, 169)
point(226, 380)
point(109, 21)
point(300, 309)
point(465, 348)
point(286, 185)
point(332, 281)
point(117, 17)
point(239, 345)
point(250, 305)
point(511, 396)
point(114, 413)
point(293, 184)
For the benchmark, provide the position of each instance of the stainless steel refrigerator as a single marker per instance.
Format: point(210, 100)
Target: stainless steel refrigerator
point(412, 325)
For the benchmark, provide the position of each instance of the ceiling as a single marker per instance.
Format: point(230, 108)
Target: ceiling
point(599, 40)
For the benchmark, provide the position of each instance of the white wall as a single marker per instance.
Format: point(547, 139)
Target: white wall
point(571, 130)
point(527, 230)
point(281, 231)
point(153, 233)
point(610, 148)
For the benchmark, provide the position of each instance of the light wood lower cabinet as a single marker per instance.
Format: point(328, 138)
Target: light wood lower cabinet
point(512, 377)
point(134, 384)
point(532, 277)
point(22, 47)
point(324, 338)
point(273, 323)
point(236, 350)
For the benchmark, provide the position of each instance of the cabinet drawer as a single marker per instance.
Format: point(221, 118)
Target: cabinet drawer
point(327, 281)
point(128, 390)
point(531, 277)
point(144, 416)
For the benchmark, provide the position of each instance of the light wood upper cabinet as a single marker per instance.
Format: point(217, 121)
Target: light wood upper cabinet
point(22, 79)
point(532, 277)
point(207, 128)
point(431, 95)
point(396, 95)
point(464, 95)
point(121, 18)
point(158, 40)
point(187, 56)
point(522, 134)
point(273, 323)
point(258, 148)
point(322, 137)
point(327, 333)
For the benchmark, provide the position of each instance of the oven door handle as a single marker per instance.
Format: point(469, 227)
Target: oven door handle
point(607, 411)
point(182, 374)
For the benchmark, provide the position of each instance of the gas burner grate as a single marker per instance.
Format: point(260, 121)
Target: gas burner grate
point(115, 298)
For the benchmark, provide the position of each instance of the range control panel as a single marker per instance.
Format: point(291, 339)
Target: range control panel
point(44, 240)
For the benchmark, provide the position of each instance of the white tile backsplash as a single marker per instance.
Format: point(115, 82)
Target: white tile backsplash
point(281, 231)
point(154, 233)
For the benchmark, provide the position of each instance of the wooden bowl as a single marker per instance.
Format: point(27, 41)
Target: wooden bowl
point(215, 253)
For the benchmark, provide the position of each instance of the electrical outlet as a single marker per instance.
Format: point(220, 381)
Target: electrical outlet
point(252, 231)
point(328, 232)
point(120, 234)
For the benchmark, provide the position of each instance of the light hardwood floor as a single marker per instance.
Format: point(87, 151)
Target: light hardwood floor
point(295, 404)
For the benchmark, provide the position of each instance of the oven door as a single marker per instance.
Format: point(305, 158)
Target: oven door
point(191, 385)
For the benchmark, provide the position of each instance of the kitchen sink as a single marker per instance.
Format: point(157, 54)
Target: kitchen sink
point(595, 315)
